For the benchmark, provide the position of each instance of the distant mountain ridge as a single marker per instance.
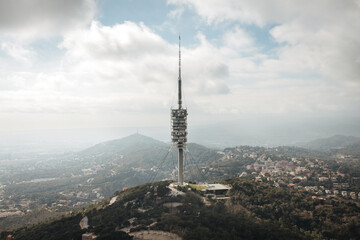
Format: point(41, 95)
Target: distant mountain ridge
point(139, 151)
point(336, 141)
point(125, 145)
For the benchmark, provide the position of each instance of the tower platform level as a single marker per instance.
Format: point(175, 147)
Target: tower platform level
point(179, 126)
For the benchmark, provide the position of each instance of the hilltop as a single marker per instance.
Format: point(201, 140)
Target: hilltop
point(252, 211)
point(126, 145)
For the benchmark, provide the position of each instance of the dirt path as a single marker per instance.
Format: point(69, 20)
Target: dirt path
point(154, 235)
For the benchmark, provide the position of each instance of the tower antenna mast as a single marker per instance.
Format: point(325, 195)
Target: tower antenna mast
point(179, 78)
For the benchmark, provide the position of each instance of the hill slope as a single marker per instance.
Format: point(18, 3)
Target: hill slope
point(80, 178)
point(336, 141)
point(352, 149)
point(254, 211)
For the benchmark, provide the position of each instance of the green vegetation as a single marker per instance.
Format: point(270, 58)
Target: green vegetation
point(65, 228)
point(254, 211)
point(325, 219)
point(197, 221)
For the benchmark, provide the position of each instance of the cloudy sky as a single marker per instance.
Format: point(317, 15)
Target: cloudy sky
point(72, 64)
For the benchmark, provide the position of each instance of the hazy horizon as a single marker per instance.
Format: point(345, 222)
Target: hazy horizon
point(227, 135)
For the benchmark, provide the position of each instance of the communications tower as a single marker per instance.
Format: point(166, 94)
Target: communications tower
point(179, 127)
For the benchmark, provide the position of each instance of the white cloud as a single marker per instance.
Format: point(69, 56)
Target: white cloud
point(219, 11)
point(238, 39)
point(23, 19)
point(122, 70)
point(260, 12)
point(132, 55)
point(318, 36)
point(127, 74)
point(127, 69)
point(176, 14)
point(18, 51)
point(114, 51)
point(332, 50)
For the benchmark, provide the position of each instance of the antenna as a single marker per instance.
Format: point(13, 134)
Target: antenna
point(179, 79)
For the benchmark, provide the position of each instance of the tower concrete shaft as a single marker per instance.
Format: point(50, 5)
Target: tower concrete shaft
point(181, 166)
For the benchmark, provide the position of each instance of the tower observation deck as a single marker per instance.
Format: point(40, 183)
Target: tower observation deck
point(179, 127)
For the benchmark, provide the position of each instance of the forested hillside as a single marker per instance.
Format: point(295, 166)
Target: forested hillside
point(253, 211)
